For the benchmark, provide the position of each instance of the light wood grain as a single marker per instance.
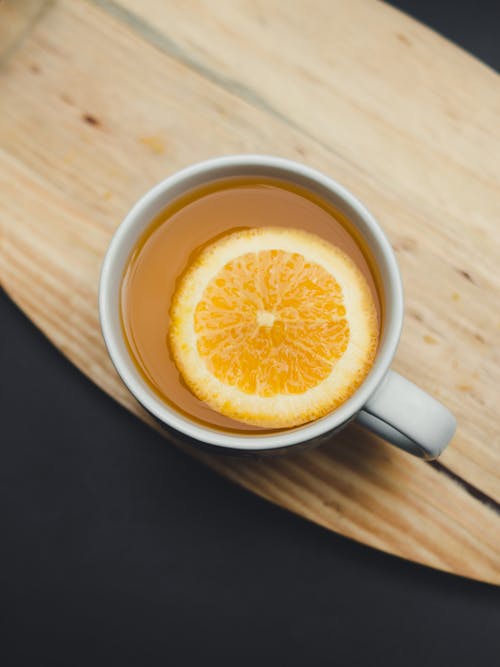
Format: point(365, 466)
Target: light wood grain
point(97, 104)
point(16, 19)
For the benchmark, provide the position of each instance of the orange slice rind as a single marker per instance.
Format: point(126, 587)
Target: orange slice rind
point(273, 327)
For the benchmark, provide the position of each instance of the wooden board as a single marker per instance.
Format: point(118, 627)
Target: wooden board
point(100, 99)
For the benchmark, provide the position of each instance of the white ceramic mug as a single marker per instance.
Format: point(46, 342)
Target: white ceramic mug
point(386, 403)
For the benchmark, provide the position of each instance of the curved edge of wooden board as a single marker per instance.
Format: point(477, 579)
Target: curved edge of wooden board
point(324, 486)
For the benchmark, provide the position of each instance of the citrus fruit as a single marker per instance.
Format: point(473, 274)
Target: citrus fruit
point(272, 326)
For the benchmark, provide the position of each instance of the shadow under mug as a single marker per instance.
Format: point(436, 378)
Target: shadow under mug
point(386, 403)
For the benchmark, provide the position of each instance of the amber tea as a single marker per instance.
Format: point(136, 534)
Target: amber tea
point(236, 343)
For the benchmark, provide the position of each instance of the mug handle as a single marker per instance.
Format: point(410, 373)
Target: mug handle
point(404, 415)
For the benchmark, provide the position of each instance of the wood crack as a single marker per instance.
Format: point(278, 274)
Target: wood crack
point(472, 490)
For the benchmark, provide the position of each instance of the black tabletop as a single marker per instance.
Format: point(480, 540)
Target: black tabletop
point(118, 549)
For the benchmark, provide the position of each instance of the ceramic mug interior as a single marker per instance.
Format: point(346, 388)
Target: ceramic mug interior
point(151, 205)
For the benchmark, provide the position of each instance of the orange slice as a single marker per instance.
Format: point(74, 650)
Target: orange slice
point(273, 327)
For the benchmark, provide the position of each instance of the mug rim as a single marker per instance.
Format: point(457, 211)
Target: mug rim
point(250, 442)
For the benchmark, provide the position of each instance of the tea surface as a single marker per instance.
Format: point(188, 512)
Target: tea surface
point(171, 244)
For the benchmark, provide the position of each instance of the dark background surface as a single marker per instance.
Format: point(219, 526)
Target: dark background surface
point(118, 549)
